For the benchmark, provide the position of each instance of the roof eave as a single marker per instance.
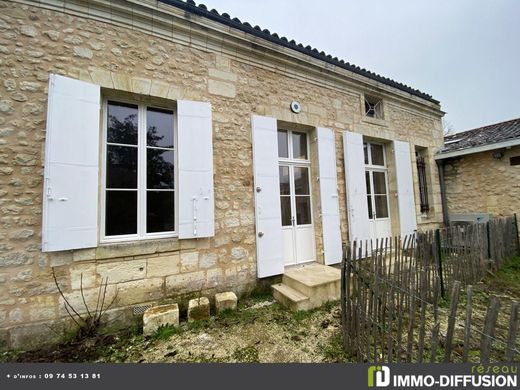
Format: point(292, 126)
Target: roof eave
point(478, 149)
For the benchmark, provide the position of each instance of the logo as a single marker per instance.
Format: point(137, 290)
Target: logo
point(381, 375)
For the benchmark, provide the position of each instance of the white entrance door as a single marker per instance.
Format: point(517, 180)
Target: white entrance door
point(295, 198)
point(376, 176)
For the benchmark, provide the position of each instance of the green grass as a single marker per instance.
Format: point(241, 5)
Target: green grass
point(507, 278)
point(165, 332)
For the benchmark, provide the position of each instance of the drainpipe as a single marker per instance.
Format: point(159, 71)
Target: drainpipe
point(445, 215)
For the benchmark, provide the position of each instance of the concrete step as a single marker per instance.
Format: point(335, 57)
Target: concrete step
point(319, 282)
point(290, 298)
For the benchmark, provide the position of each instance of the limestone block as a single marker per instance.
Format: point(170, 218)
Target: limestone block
point(198, 309)
point(83, 275)
point(101, 77)
point(162, 266)
point(158, 316)
point(192, 281)
point(225, 301)
point(226, 76)
point(159, 89)
point(122, 271)
point(189, 261)
point(139, 291)
point(141, 85)
point(121, 81)
point(221, 88)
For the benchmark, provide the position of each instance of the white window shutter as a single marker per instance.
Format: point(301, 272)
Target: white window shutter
point(267, 197)
point(195, 160)
point(359, 227)
point(330, 219)
point(70, 201)
point(405, 194)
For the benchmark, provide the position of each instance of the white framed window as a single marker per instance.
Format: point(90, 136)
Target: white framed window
point(376, 176)
point(294, 174)
point(139, 171)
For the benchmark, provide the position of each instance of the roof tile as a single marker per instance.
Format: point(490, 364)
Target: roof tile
point(491, 134)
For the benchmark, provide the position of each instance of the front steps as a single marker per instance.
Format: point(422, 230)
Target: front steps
point(308, 286)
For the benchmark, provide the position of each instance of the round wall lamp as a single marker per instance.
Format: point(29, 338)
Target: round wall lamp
point(296, 107)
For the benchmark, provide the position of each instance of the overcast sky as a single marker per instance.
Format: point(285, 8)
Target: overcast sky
point(465, 53)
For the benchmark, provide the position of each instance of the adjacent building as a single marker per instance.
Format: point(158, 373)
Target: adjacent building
point(482, 171)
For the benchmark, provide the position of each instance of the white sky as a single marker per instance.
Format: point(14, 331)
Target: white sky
point(465, 53)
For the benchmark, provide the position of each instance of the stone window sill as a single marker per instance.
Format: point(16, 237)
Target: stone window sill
point(374, 121)
point(121, 250)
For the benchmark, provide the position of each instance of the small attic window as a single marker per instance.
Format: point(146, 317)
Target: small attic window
point(514, 160)
point(373, 107)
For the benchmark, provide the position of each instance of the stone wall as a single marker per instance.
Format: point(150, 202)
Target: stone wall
point(479, 183)
point(35, 42)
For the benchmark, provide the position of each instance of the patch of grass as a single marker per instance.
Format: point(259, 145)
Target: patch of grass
point(248, 354)
point(197, 325)
point(333, 351)
point(507, 277)
point(165, 332)
point(302, 315)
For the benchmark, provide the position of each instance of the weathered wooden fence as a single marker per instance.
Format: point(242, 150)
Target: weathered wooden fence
point(392, 296)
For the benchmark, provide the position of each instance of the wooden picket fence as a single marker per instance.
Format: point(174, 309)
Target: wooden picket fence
point(394, 296)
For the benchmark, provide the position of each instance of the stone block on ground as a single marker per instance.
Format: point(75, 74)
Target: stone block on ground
point(198, 309)
point(225, 301)
point(158, 316)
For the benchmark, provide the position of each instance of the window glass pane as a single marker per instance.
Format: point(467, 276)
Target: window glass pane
point(160, 128)
point(160, 209)
point(121, 213)
point(160, 172)
point(303, 210)
point(122, 123)
point(376, 152)
point(285, 202)
point(301, 181)
point(121, 167)
point(379, 183)
point(367, 178)
point(299, 141)
point(283, 146)
point(365, 151)
point(369, 201)
point(284, 181)
point(381, 206)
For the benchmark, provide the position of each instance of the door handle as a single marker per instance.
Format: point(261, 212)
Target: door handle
point(293, 221)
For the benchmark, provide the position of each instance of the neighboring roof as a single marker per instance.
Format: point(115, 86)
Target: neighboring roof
point(484, 138)
point(202, 10)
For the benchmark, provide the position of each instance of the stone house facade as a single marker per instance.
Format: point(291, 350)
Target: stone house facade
point(482, 171)
point(94, 93)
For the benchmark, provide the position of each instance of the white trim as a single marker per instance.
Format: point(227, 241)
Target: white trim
point(478, 149)
point(142, 191)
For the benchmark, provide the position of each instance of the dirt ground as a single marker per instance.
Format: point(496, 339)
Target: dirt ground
point(259, 331)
